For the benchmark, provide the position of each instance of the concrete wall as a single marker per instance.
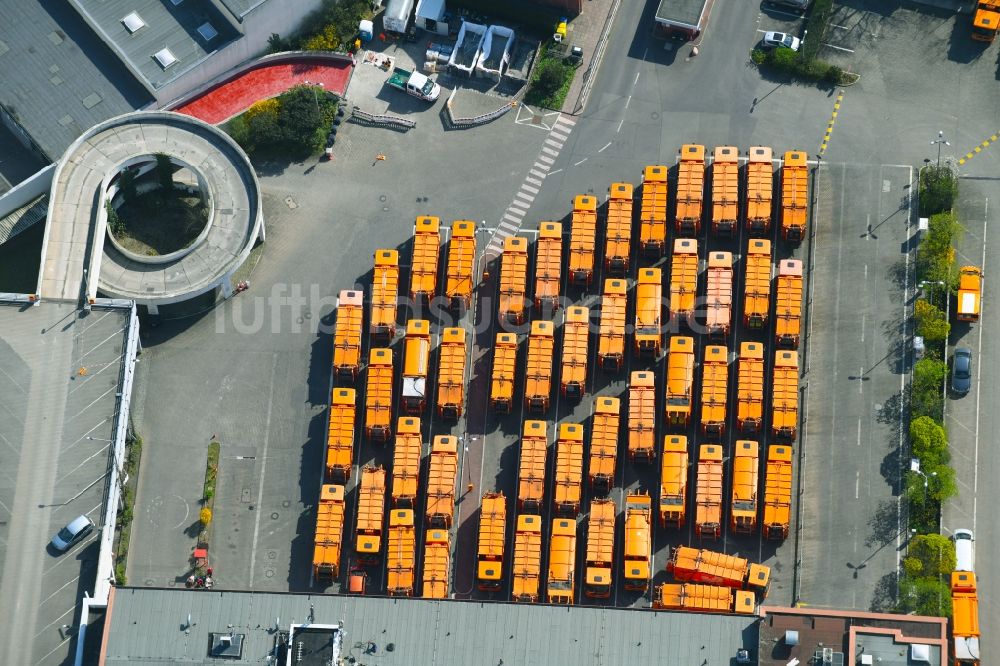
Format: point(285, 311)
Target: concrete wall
point(27, 190)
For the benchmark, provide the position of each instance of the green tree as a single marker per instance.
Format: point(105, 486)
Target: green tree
point(931, 322)
point(115, 222)
point(164, 172)
point(938, 189)
point(926, 398)
point(941, 484)
point(928, 442)
point(301, 119)
point(924, 596)
point(930, 555)
point(936, 253)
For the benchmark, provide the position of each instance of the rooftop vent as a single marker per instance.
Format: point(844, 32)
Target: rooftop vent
point(207, 31)
point(791, 637)
point(133, 22)
point(225, 645)
point(165, 58)
point(920, 654)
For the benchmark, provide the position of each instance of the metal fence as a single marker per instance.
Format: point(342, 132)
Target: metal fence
point(393, 122)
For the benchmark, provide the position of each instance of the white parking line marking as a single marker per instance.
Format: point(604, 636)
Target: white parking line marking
point(526, 197)
point(839, 48)
point(555, 172)
point(533, 181)
point(580, 162)
point(620, 123)
point(513, 218)
point(542, 165)
point(508, 225)
point(636, 80)
point(628, 101)
point(553, 142)
point(558, 135)
point(606, 146)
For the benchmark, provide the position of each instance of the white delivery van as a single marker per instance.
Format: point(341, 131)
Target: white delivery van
point(964, 555)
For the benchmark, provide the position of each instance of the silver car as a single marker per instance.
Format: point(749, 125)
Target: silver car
point(781, 40)
point(73, 533)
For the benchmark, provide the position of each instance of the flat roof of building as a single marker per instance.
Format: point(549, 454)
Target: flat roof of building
point(144, 625)
point(61, 374)
point(58, 77)
point(684, 12)
point(240, 8)
point(158, 39)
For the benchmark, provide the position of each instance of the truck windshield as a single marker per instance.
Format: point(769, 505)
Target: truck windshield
point(428, 88)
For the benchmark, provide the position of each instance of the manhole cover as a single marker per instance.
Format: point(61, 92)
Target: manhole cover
point(286, 504)
point(269, 573)
point(274, 516)
point(654, 115)
point(272, 554)
point(382, 198)
point(290, 202)
point(536, 120)
point(149, 582)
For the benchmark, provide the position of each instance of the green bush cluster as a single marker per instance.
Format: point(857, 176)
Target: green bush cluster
point(923, 585)
point(132, 456)
point(550, 81)
point(293, 124)
point(795, 64)
point(936, 255)
point(332, 27)
point(816, 27)
point(938, 189)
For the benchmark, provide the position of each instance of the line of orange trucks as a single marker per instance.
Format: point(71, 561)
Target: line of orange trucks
point(794, 196)
point(690, 189)
point(340, 436)
point(461, 264)
point(347, 335)
point(691, 565)
point(538, 376)
point(576, 338)
point(725, 190)
point(385, 287)
point(653, 212)
point(451, 373)
point(604, 443)
point(492, 536)
point(548, 267)
point(759, 190)
point(416, 358)
point(513, 280)
point(569, 470)
point(673, 481)
point(583, 237)
point(611, 339)
point(788, 304)
point(504, 368)
point(642, 417)
point(426, 254)
point(618, 232)
point(378, 396)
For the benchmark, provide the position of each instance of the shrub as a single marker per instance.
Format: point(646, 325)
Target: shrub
point(758, 56)
point(931, 322)
point(275, 44)
point(924, 596)
point(797, 65)
point(928, 442)
point(324, 40)
point(115, 222)
point(926, 397)
point(164, 171)
point(205, 516)
point(126, 184)
point(816, 26)
point(929, 555)
point(938, 189)
point(550, 82)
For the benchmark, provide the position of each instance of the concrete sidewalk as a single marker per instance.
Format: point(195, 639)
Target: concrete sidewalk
point(587, 31)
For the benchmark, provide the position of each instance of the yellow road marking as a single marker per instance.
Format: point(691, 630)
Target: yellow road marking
point(978, 149)
point(833, 121)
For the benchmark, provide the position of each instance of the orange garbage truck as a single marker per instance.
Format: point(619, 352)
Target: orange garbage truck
point(785, 400)
point(538, 377)
point(611, 340)
point(329, 532)
point(750, 387)
point(569, 470)
point(618, 246)
point(693, 598)
point(680, 379)
point(600, 549)
point(437, 564)
point(690, 189)
point(426, 254)
point(340, 436)
point(378, 396)
point(653, 212)
point(451, 373)
point(970, 291)
point(582, 240)
point(683, 282)
point(526, 570)
point(562, 561)
point(401, 553)
point(788, 304)
point(576, 338)
point(347, 335)
point(708, 500)
point(604, 443)
point(371, 515)
point(757, 284)
point(714, 390)
point(504, 367)
point(673, 481)
point(642, 417)
point(965, 618)
point(986, 20)
point(725, 190)
point(461, 265)
point(531, 468)
point(513, 280)
point(777, 491)
point(406, 463)
point(385, 289)
point(794, 196)
point(638, 541)
point(548, 267)
point(743, 510)
point(648, 311)
point(442, 474)
point(691, 565)
point(719, 298)
point(759, 190)
point(416, 359)
point(492, 537)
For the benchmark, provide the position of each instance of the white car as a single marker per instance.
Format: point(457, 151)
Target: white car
point(781, 40)
point(73, 533)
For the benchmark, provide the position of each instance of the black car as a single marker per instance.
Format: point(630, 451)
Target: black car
point(961, 370)
point(798, 6)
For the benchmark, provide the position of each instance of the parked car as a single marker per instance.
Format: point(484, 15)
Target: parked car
point(799, 6)
point(961, 370)
point(781, 40)
point(73, 533)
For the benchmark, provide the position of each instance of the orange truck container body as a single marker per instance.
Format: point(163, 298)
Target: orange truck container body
point(743, 511)
point(526, 571)
point(694, 598)
point(714, 390)
point(965, 618)
point(604, 443)
point(437, 564)
point(340, 436)
point(690, 189)
point(329, 532)
point(757, 283)
point(750, 387)
point(538, 378)
point(576, 338)
point(642, 417)
point(708, 500)
point(600, 549)
point(531, 468)
point(725, 190)
point(562, 561)
point(680, 379)
point(638, 541)
point(504, 367)
point(683, 281)
point(461, 264)
point(569, 470)
point(378, 396)
point(777, 491)
point(385, 290)
point(970, 292)
point(442, 474)
point(719, 298)
point(674, 481)
point(648, 313)
point(618, 247)
point(794, 196)
point(514, 279)
point(785, 403)
point(451, 374)
point(347, 335)
point(653, 212)
point(706, 566)
point(548, 267)
point(426, 254)
point(416, 359)
point(492, 536)
point(611, 340)
point(788, 304)
point(582, 240)
point(371, 511)
point(400, 553)
point(759, 192)
point(406, 463)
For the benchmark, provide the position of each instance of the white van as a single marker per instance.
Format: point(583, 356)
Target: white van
point(964, 556)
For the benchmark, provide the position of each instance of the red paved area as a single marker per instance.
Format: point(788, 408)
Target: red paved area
point(234, 96)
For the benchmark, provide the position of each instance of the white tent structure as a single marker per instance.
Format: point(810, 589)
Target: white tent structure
point(466, 54)
point(430, 16)
point(495, 52)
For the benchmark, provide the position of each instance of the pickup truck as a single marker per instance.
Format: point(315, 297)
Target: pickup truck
point(414, 83)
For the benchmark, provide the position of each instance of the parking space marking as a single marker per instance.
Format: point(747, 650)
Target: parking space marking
point(552, 142)
point(978, 149)
point(839, 48)
point(546, 160)
point(833, 121)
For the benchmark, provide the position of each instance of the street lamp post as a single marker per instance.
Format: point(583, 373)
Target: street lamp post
point(937, 142)
point(320, 85)
point(915, 467)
